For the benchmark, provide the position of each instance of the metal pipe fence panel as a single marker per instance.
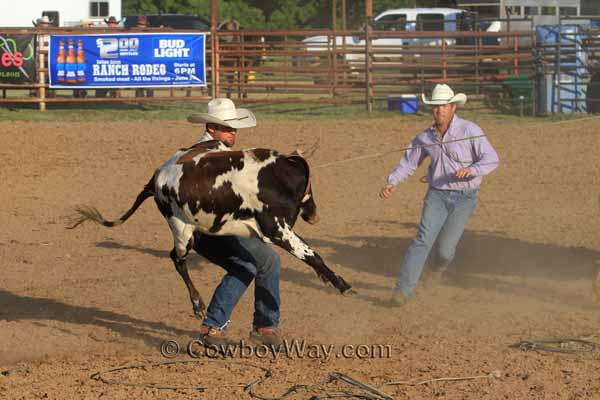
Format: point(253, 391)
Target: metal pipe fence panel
point(288, 64)
point(322, 66)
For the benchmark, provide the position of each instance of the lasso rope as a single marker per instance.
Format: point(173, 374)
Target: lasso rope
point(492, 374)
point(395, 151)
point(556, 345)
point(200, 388)
point(368, 392)
point(440, 144)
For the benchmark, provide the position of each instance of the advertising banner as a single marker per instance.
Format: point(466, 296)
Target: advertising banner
point(127, 60)
point(17, 58)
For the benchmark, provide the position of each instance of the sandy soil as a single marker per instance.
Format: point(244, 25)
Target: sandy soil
point(75, 302)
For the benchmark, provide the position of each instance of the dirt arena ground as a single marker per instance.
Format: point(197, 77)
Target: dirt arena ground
point(75, 302)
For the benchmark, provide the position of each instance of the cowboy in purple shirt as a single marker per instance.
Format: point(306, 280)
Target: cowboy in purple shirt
point(460, 156)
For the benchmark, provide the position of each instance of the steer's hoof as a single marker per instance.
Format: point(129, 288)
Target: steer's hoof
point(199, 315)
point(343, 286)
point(350, 292)
point(198, 309)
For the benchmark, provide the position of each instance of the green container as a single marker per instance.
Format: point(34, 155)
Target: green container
point(516, 86)
point(518, 93)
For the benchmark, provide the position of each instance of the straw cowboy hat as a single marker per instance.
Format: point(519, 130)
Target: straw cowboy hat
point(442, 94)
point(42, 20)
point(222, 111)
point(86, 22)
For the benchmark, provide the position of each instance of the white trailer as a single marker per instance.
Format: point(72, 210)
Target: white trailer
point(20, 13)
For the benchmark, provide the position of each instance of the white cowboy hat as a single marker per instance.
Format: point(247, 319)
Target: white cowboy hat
point(442, 94)
point(222, 111)
point(43, 20)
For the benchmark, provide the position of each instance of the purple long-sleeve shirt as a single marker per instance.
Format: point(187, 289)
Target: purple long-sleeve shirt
point(448, 156)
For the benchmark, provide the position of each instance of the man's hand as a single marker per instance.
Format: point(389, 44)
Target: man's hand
point(386, 191)
point(464, 173)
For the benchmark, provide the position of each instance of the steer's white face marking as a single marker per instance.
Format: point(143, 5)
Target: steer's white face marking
point(299, 248)
point(244, 182)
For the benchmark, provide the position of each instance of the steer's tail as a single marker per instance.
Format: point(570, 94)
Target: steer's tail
point(85, 213)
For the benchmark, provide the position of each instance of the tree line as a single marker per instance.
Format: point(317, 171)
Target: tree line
point(268, 14)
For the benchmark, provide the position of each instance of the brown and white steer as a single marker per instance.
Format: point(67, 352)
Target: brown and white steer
point(216, 191)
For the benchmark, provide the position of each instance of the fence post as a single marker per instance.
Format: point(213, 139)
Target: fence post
point(344, 75)
point(241, 78)
point(368, 74)
point(444, 63)
point(286, 74)
point(558, 66)
point(334, 55)
point(41, 79)
point(330, 55)
point(477, 50)
point(535, 68)
point(515, 55)
point(214, 49)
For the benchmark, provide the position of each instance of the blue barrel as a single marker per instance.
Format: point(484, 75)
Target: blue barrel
point(404, 103)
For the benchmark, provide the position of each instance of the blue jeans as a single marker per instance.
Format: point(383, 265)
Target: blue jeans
point(445, 214)
point(244, 259)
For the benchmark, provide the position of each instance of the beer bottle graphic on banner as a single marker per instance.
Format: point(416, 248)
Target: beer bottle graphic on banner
point(71, 64)
point(60, 62)
point(80, 62)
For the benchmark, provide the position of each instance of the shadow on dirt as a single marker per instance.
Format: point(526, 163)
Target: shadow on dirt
point(483, 260)
point(491, 253)
point(194, 260)
point(306, 279)
point(489, 260)
point(109, 244)
point(41, 309)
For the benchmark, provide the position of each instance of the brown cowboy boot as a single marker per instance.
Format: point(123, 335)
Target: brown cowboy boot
point(211, 336)
point(399, 299)
point(432, 278)
point(265, 336)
